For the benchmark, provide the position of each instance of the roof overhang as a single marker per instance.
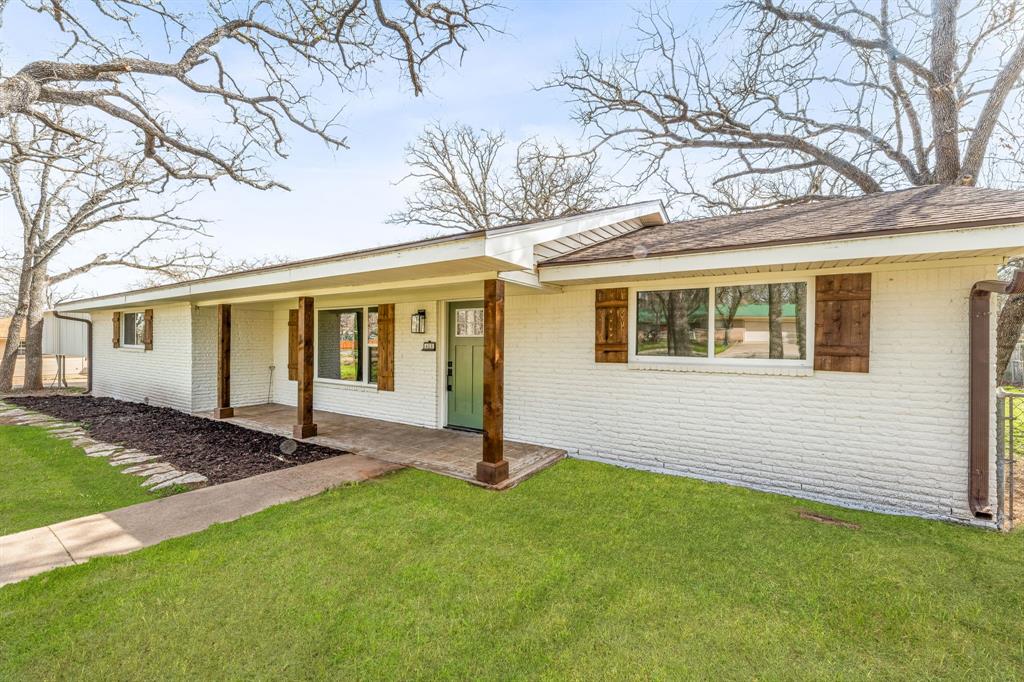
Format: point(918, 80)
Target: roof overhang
point(506, 252)
point(1003, 240)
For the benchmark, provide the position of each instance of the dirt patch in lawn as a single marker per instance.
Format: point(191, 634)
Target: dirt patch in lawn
point(220, 451)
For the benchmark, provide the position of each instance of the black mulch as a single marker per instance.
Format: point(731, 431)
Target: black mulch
point(220, 451)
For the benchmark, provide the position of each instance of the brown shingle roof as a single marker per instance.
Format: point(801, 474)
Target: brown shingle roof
point(919, 209)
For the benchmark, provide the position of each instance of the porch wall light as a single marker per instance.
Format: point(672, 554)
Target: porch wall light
point(419, 322)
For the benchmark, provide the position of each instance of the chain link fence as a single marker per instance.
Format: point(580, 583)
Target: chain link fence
point(1009, 450)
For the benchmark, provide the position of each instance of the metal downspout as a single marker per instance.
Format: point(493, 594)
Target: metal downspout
point(88, 325)
point(980, 372)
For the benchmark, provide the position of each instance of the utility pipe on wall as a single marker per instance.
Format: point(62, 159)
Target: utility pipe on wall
point(88, 346)
point(980, 314)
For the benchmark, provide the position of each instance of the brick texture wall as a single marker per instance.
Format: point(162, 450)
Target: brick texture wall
point(162, 376)
point(204, 359)
point(414, 400)
point(252, 355)
point(894, 439)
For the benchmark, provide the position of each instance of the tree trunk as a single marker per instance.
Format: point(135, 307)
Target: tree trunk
point(682, 327)
point(775, 350)
point(801, 319)
point(734, 306)
point(34, 335)
point(10, 358)
point(1008, 329)
point(671, 341)
point(942, 92)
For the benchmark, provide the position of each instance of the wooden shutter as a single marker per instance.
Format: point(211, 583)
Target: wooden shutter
point(612, 328)
point(147, 329)
point(386, 347)
point(117, 330)
point(293, 345)
point(842, 322)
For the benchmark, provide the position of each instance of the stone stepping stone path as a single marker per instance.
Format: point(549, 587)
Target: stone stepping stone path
point(156, 474)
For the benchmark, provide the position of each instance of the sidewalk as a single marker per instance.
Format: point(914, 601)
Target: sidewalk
point(124, 530)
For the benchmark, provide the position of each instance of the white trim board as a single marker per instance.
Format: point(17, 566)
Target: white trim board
point(1009, 238)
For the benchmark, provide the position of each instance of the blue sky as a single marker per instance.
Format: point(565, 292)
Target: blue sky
point(340, 199)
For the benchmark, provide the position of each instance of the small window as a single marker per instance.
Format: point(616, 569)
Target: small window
point(133, 329)
point(469, 322)
point(672, 323)
point(347, 344)
point(21, 348)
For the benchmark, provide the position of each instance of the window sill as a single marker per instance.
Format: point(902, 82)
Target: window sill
point(753, 368)
point(137, 349)
point(341, 383)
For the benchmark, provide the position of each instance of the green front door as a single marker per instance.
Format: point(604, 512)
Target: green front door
point(466, 364)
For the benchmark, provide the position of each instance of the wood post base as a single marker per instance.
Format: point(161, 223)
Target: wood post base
point(300, 431)
point(223, 412)
point(492, 473)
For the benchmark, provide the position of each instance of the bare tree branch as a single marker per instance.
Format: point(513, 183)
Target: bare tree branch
point(262, 63)
point(873, 96)
point(462, 185)
point(69, 191)
point(826, 98)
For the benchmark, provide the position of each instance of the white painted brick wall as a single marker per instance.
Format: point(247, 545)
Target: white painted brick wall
point(414, 400)
point(893, 439)
point(204, 359)
point(252, 354)
point(252, 342)
point(162, 376)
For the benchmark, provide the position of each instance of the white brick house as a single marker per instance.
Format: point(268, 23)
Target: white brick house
point(619, 342)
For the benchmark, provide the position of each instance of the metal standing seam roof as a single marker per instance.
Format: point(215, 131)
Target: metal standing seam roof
point(920, 209)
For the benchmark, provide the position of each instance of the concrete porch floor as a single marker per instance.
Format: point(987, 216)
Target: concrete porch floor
point(451, 453)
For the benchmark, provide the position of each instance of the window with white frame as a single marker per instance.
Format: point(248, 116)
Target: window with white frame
point(346, 340)
point(766, 322)
point(133, 330)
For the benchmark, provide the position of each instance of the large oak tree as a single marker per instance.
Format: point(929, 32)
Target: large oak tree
point(821, 99)
point(134, 73)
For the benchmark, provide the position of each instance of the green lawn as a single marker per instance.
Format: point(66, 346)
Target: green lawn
point(585, 571)
point(44, 480)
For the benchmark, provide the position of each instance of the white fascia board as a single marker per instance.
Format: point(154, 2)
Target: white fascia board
point(515, 244)
point(461, 249)
point(918, 243)
point(530, 280)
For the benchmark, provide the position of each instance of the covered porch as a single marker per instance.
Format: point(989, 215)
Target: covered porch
point(444, 451)
point(380, 386)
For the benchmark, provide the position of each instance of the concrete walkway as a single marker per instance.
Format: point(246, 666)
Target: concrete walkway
point(124, 530)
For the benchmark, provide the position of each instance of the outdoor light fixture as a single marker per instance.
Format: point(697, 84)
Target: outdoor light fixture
point(419, 322)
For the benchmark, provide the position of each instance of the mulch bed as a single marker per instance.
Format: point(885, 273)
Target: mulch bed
point(220, 451)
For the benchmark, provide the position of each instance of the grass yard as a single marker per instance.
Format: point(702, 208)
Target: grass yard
point(45, 480)
point(585, 571)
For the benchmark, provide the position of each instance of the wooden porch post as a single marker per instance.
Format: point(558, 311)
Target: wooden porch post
point(223, 409)
point(493, 468)
point(304, 426)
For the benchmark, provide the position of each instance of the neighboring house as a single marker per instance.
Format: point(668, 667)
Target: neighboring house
point(5, 330)
point(867, 403)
